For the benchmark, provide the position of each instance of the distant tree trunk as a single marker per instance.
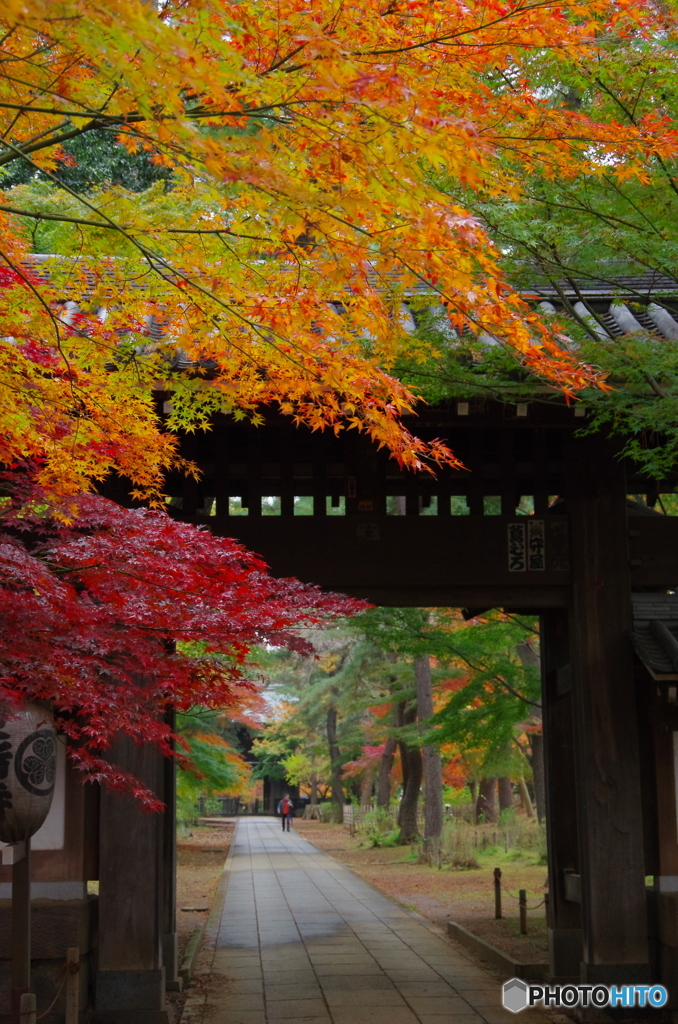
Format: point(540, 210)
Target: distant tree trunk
point(433, 772)
point(537, 744)
point(505, 794)
point(367, 788)
point(525, 797)
point(404, 760)
point(385, 767)
point(407, 819)
point(314, 790)
point(486, 805)
point(529, 656)
point(335, 761)
point(413, 769)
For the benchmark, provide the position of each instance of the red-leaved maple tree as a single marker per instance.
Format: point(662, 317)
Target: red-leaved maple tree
point(126, 614)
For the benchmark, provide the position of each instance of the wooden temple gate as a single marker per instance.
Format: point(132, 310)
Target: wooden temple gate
point(337, 512)
point(540, 521)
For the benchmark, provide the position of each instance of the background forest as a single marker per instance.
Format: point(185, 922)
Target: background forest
point(401, 712)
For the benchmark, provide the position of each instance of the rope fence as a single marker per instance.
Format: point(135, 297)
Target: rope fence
point(521, 899)
point(69, 978)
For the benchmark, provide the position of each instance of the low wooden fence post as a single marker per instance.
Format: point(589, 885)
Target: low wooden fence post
point(27, 1008)
point(497, 893)
point(523, 911)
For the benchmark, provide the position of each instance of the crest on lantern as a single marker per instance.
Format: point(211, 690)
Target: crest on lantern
point(27, 771)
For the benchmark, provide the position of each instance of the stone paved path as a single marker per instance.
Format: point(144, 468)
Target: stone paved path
point(294, 935)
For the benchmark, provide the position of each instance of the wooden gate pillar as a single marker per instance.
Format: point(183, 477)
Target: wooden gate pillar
point(609, 805)
point(130, 982)
point(564, 918)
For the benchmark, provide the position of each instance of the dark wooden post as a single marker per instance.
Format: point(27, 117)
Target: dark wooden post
point(221, 465)
point(564, 917)
point(131, 978)
point(21, 929)
point(168, 908)
point(614, 910)
point(497, 893)
point(522, 909)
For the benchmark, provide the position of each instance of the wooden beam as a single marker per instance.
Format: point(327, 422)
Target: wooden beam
point(529, 600)
point(399, 552)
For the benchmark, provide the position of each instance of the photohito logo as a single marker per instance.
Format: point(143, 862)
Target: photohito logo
point(517, 995)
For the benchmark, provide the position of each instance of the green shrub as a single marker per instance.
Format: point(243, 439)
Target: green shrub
point(508, 817)
point(391, 838)
point(187, 812)
point(331, 812)
point(458, 844)
point(377, 826)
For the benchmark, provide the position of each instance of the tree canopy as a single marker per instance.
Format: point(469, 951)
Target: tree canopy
point(303, 145)
point(126, 615)
point(217, 768)
point(350, 719)
point(608, 230)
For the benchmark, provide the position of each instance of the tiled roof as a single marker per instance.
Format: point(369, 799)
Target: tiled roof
point(655, 633)
point(629, 286)
point(600, 303)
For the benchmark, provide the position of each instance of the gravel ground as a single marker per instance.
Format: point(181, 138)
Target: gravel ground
point(201, 856)
point(200, 860)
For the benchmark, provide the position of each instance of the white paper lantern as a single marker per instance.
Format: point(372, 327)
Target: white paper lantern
point(27, 771)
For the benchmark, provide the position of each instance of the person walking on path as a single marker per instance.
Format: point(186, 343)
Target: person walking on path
point(286, 809)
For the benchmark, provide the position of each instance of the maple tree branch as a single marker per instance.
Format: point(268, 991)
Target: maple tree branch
point(43, 89)
point(150, 256)
point(41, 135)
point(576, 289)
point(457, 35)
point(11, 124)
point(553, 260)
point(496, 678)
point(607, 218)
point(656, 387)
point(29, 284)
point(45, 143)
point(265, 334)
point(111, 226)
point(615, 99)
point(60, 218)
point(631, 116)
point(471, 317)
point(283, 60)
point(572, 311)
point(629, 199)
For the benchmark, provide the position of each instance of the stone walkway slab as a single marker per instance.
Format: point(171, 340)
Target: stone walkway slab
point(294, 935)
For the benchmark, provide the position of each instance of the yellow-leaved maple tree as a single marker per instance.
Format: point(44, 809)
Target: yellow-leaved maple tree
point(304, 140)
